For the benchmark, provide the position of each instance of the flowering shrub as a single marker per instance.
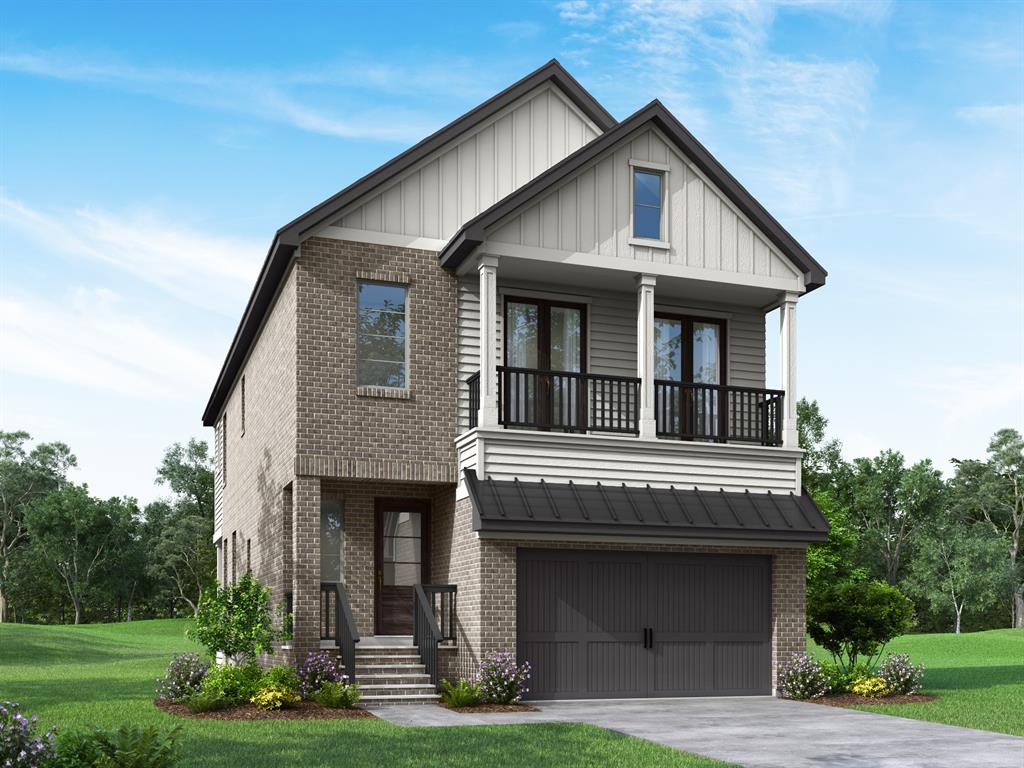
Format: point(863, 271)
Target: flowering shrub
point(802, 678)
point(184, 677)
point(234, 683)
point(281, 677)
point(501, 680)
point(319, 667)
point(19, 745)
point(900, 675)
point(874, 687)
point(840, 680)
point(273, 697)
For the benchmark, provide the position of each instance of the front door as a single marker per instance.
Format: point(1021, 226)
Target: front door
point(545, 353)
point(401, 561)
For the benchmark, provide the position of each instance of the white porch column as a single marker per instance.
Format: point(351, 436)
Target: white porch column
point(787, 347)
point(487, 416)
point(645, 352)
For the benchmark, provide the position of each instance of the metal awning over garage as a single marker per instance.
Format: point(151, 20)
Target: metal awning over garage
point(513, 508)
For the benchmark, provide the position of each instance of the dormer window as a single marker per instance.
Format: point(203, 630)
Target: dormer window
point(647, 204)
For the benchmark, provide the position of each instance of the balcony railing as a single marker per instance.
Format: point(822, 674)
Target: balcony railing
point(473, 382)
point(567, 402)
point(718, 413)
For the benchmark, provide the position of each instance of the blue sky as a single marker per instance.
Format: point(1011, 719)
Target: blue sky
point(149, 151)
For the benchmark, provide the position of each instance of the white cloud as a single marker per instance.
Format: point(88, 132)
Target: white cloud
point(203, 269)
point(87, 338)
point(581, 11)
point(1007, 117)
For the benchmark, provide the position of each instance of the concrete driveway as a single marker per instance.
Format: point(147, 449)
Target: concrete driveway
point(762, 731)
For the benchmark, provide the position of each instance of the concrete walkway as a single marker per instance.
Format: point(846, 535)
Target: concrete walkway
point(762, 731)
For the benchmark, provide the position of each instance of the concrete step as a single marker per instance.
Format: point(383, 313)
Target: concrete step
point(379, 700)
point(396, 690)
point(416, 678)
point(363, 661)
point(387, 650)
point(390, 669)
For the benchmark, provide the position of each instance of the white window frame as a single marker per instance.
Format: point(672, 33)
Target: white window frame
point(660, 169)
point(371, 389)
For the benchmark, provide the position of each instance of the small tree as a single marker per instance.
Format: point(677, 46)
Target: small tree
point(856, 619)
point(235, 620)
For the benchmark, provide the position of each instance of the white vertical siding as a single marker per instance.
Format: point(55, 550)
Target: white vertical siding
point(592, 213)
point(479, 168)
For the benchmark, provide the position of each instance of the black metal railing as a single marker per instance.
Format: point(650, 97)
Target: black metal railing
point(337, 624)
point(434, 621)
point(568, 402)
point(718, 413)
point(473, 382)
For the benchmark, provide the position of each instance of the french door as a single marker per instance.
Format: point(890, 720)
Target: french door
point(545, 356)
point(689, 366)
point(401, 554)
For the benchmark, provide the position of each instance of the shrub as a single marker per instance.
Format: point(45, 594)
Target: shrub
point(802, 678)
point(281, 677)
point(839, 680)
point(127, 747)
point(207, 701)
point(235, 683)
point(463, 693)
point(319, 667)
point(184, 675)
point(274, 697)
point(900, 675)
point(852, 620)
point(874, 687)
point(235, 620)
point(19, 743)
point(335, 695)
point(501, 680)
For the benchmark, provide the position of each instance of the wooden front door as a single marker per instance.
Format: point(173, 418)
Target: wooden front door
point(401, 561)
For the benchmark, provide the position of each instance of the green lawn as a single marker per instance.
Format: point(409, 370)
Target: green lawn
point(105, 675)
point(977, 676)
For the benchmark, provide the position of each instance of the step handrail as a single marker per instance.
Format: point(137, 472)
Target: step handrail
point(427, 634)
point(345, 633)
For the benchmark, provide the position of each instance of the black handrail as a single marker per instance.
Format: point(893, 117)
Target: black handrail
point(567, 401)
point(427, 633)
point(343, 629)
point(718, 412)
point(473, 382)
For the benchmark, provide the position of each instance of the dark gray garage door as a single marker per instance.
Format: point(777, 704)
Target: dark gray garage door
point(610, 624)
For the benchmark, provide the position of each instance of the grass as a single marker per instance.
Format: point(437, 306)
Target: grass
point(977, 676)
point(105, 674)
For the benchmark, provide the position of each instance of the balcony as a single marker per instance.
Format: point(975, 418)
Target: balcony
point(587, 403)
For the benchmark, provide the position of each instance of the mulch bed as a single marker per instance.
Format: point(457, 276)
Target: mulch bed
point(305, 710)
point(852, 699)
point(493, 708)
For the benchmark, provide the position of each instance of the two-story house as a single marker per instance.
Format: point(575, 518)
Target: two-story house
point(507, 392)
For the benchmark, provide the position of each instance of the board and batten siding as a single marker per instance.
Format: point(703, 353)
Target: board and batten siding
point(506, 454)
point(591, 214)
point(483, 166)
point(611, 342)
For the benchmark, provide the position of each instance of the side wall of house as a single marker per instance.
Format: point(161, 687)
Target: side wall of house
point(250, 477)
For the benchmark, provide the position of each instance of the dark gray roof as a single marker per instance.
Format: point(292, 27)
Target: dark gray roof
point(473, 232)
point(288, 237)
point(511, 507)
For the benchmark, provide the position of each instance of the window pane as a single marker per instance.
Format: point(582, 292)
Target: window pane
point(668, 352)
point(382, 296)
point(388, 349)
point(373, 373)
point(522, 335)
point(566, 330)
point(332, 541)
point(647, 188)
point(403, 524)
point(402, 550)
point(402, 574)
point(705, 353)
point(380, 322)
point(647, 222)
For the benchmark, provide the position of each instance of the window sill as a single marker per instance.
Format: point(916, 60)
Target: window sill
point(644, 242)
point(388, 393)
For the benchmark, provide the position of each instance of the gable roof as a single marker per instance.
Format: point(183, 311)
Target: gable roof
point(288, 237)
point(474, 231)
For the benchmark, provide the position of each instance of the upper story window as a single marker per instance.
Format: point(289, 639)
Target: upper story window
point(382, 349)
point(647, 204)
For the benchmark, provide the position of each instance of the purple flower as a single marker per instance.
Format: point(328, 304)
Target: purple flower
point(319, 667)
point(18, 739)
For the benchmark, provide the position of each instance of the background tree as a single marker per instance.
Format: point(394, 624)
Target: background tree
point(25, 475)
point(958, 564)
point(992, 492)
point(75, 533)
point(124, 577)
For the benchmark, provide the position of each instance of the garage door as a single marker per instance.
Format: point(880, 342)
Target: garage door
point(612, 624)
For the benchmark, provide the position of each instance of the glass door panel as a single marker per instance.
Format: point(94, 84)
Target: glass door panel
point(401, 562)
point(566, 354)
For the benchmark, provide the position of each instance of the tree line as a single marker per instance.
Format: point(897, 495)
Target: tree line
point(951, 545)
point(67, 556)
